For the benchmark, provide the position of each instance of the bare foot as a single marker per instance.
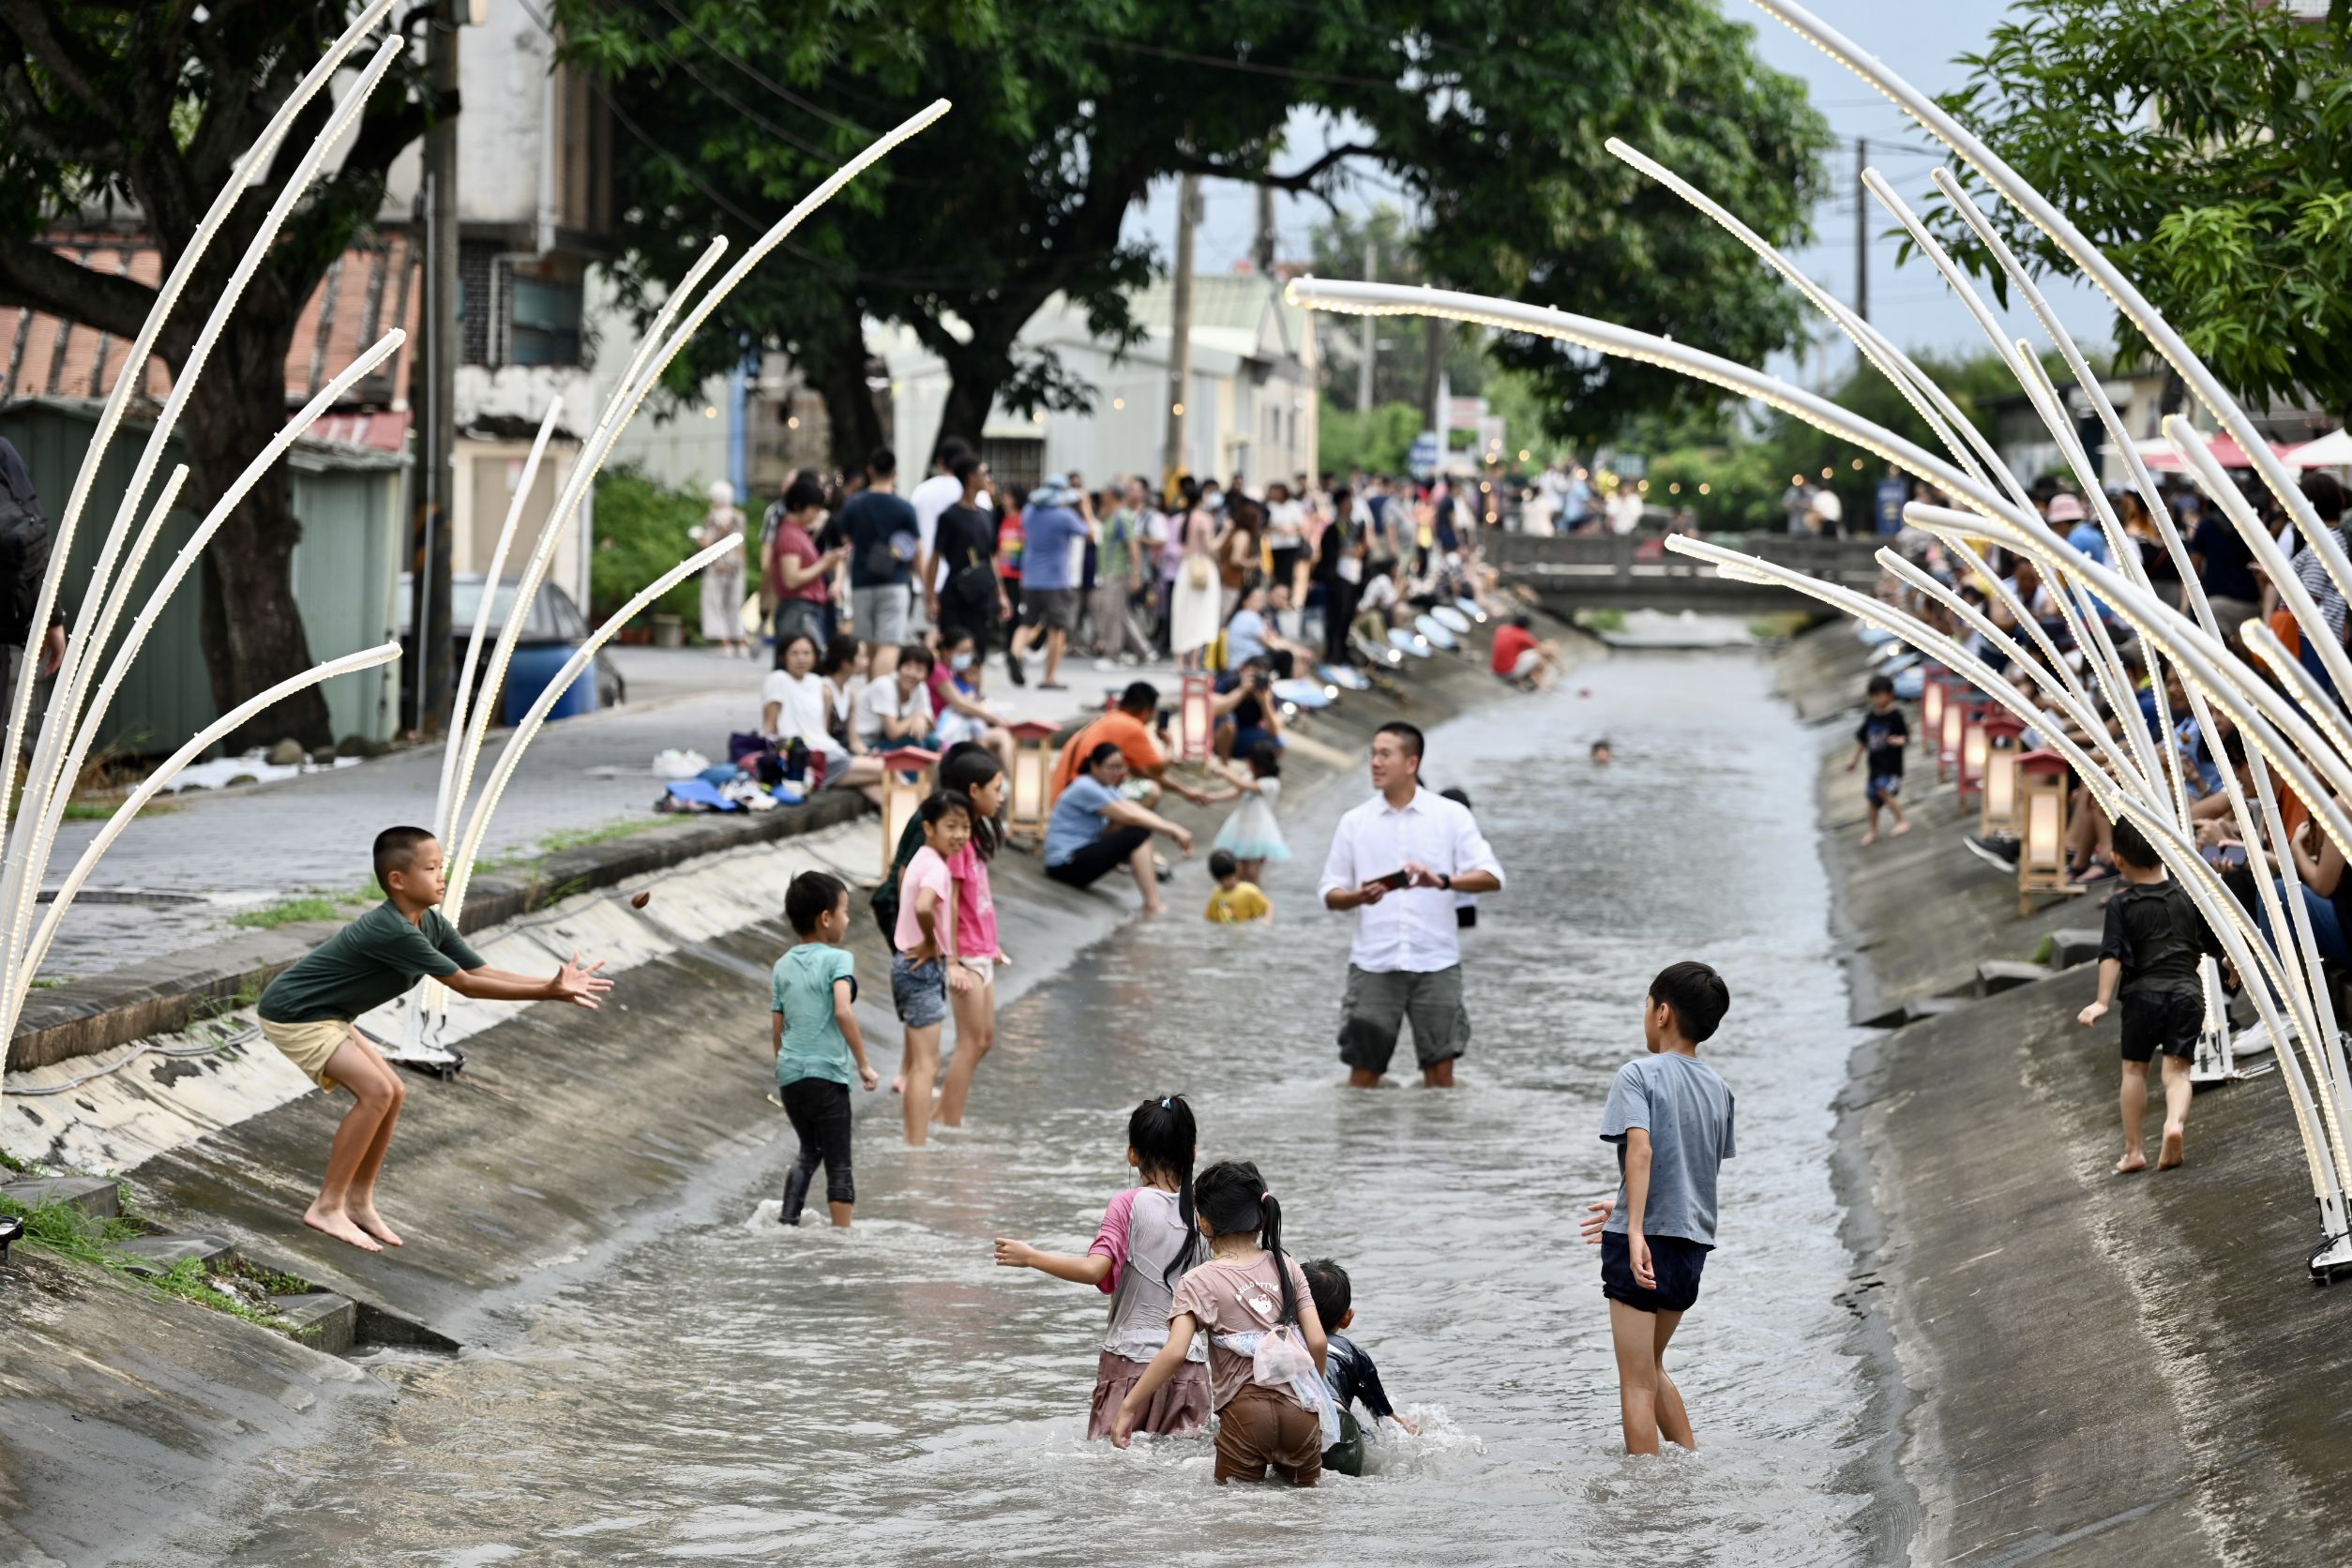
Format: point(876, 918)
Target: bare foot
point(1870, 838)
point(372, 1223)
point(1902, 828)
point(339, 1227)
point(2130, 1162)
point(2172, 1153)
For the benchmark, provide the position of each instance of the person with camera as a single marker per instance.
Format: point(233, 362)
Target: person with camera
point(1245, 711)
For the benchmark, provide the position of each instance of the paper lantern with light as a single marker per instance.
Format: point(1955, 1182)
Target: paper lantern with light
point(1931, 701)
point(909, 773)
point(2003, 742)
point(1949, 721)
point(2042, 790)
point(1032, 768)
point(1196, 718)
point(1974, 747)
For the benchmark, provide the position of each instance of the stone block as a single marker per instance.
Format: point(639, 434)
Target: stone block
point(320, 1319)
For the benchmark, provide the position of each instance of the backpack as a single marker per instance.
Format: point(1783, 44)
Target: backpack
point(24, 563)
point(885, 896)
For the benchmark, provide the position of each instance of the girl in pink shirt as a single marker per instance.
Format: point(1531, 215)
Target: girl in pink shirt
point(978, 775)
point(1146, 1243)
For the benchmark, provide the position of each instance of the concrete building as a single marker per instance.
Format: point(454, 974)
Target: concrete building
point(1251, 407)
point(534, 214)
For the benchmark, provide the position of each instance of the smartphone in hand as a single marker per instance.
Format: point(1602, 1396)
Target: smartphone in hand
point(1393, 881)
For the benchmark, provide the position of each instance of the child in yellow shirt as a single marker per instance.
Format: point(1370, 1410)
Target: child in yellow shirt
point(1235, 901)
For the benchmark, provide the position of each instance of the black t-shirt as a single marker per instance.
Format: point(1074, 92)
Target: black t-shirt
point(872, 524)
point(1339, 537)
point(1879, 733)
point(1352, 1377)
point(2228, 564)
point(2156, 934)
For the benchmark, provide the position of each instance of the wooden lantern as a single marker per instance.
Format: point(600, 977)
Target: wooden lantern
point(1974, 747)
point(909, 774)
point(1196, 718)
point(1931, 701)
point(1033, 770)
point(2003, 743)
point(2042, 778)
point(1950, 715)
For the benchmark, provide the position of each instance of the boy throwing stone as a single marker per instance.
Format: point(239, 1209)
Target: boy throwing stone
point(307, 1011)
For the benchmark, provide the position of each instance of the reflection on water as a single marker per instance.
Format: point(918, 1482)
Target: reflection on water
point(740, 1393)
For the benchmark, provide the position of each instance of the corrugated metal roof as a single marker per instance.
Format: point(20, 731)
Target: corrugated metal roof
point(367, 292)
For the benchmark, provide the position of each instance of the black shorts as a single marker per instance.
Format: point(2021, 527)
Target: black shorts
point(1088, 863)
point(2163, 1021)
point(1051, 609)
point(1676, 1261)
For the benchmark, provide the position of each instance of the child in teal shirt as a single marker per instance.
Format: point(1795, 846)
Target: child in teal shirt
point(815, 1038)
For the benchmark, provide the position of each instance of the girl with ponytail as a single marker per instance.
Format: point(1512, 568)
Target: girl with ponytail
point(1266, 1344)
point(1146, 1241)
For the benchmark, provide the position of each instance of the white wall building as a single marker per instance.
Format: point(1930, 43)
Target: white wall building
point(1251, 408)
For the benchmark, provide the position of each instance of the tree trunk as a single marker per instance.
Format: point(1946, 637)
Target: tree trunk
point(971, 393)
point(252, 631)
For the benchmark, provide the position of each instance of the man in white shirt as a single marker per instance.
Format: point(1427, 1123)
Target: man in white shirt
point(930, 498)
point(1398, 860)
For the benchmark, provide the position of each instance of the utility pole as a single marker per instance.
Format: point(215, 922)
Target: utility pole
point(1861, 230)
point(1180, 330)
point(1371, 336)
point(429, 556)
point(1263, 251)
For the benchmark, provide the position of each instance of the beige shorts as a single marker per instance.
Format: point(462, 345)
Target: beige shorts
point(309, 1045)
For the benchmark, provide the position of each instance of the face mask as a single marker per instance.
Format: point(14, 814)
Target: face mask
point(960, 661)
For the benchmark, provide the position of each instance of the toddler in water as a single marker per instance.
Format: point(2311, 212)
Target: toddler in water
point(1669, 1115)
point(814, 1036)
point(1266, 1344)
point(1347, 1372)
point(1146, 1242)
point(1251, 834)
point(1236, 901)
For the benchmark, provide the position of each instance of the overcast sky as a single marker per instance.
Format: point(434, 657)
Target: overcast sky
point(1920, 40)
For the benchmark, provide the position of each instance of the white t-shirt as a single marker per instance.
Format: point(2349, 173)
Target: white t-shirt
point(800, 705)
point(1828, 507)
point(1378, 594)
point(1285, 524)
point(880, 701)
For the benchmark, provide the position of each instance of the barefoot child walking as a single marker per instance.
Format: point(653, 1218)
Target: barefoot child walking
point(2149, 949)
point(1146, 1241)
point(1881, 737)
point(814, 1036)
point(1266, 1345)
point(1669, 1115)
point(924, 972)
point(307, 1011)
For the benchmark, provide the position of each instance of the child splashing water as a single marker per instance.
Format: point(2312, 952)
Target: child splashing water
point(1146, 1241)
point(1251, 834)
point(1266, 1344)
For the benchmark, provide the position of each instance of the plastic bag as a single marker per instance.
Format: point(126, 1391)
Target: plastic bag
point(677, 763)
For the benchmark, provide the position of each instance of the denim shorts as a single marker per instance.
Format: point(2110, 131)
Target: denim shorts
point(1882, 788)
point(919, 991)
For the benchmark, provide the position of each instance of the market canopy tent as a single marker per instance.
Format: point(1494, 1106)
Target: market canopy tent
point(2158, 456)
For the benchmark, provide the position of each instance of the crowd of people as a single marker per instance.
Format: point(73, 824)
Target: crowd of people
point(2153, 937)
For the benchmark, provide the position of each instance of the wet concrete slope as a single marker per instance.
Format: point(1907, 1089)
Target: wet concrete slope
point(2096, 1371)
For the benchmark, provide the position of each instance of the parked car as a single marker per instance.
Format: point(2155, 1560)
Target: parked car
point(556, 622)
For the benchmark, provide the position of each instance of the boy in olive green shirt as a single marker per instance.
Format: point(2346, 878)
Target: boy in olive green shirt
point(307, 1011)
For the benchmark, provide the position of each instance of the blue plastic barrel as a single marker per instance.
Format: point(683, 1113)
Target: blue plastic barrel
point(528, 674)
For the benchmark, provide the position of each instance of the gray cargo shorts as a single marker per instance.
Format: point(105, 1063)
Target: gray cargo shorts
point(1377, 1002)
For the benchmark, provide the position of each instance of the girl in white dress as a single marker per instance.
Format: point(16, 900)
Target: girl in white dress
point(1194, 615)
point(722, 579)
point(1251, 834)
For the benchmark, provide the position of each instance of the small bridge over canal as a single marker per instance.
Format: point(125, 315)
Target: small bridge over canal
point(1636, 571)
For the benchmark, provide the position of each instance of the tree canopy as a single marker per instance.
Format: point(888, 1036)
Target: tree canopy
point(1489, 115)
point(2205, 146)
point(150, 107)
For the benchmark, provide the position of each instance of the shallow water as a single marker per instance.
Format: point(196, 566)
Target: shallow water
point(736, 1393)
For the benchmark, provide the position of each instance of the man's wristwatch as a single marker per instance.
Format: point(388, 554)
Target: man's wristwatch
point(1445, 880)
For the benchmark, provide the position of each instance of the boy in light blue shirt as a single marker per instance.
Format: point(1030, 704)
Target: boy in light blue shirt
point(815, 1038)
point(1670, 1116)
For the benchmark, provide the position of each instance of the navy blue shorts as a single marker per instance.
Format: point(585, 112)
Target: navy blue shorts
point(1882, 788)
point(1676, 1263)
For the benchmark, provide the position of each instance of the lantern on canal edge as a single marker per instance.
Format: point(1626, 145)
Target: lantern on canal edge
point(2041, 781)
point(1196, 722)
point(1948, 724)
point(1931, 702)
point(1032, 768)
point(2003, 742)
point(1973, 747)
point(906, 783)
